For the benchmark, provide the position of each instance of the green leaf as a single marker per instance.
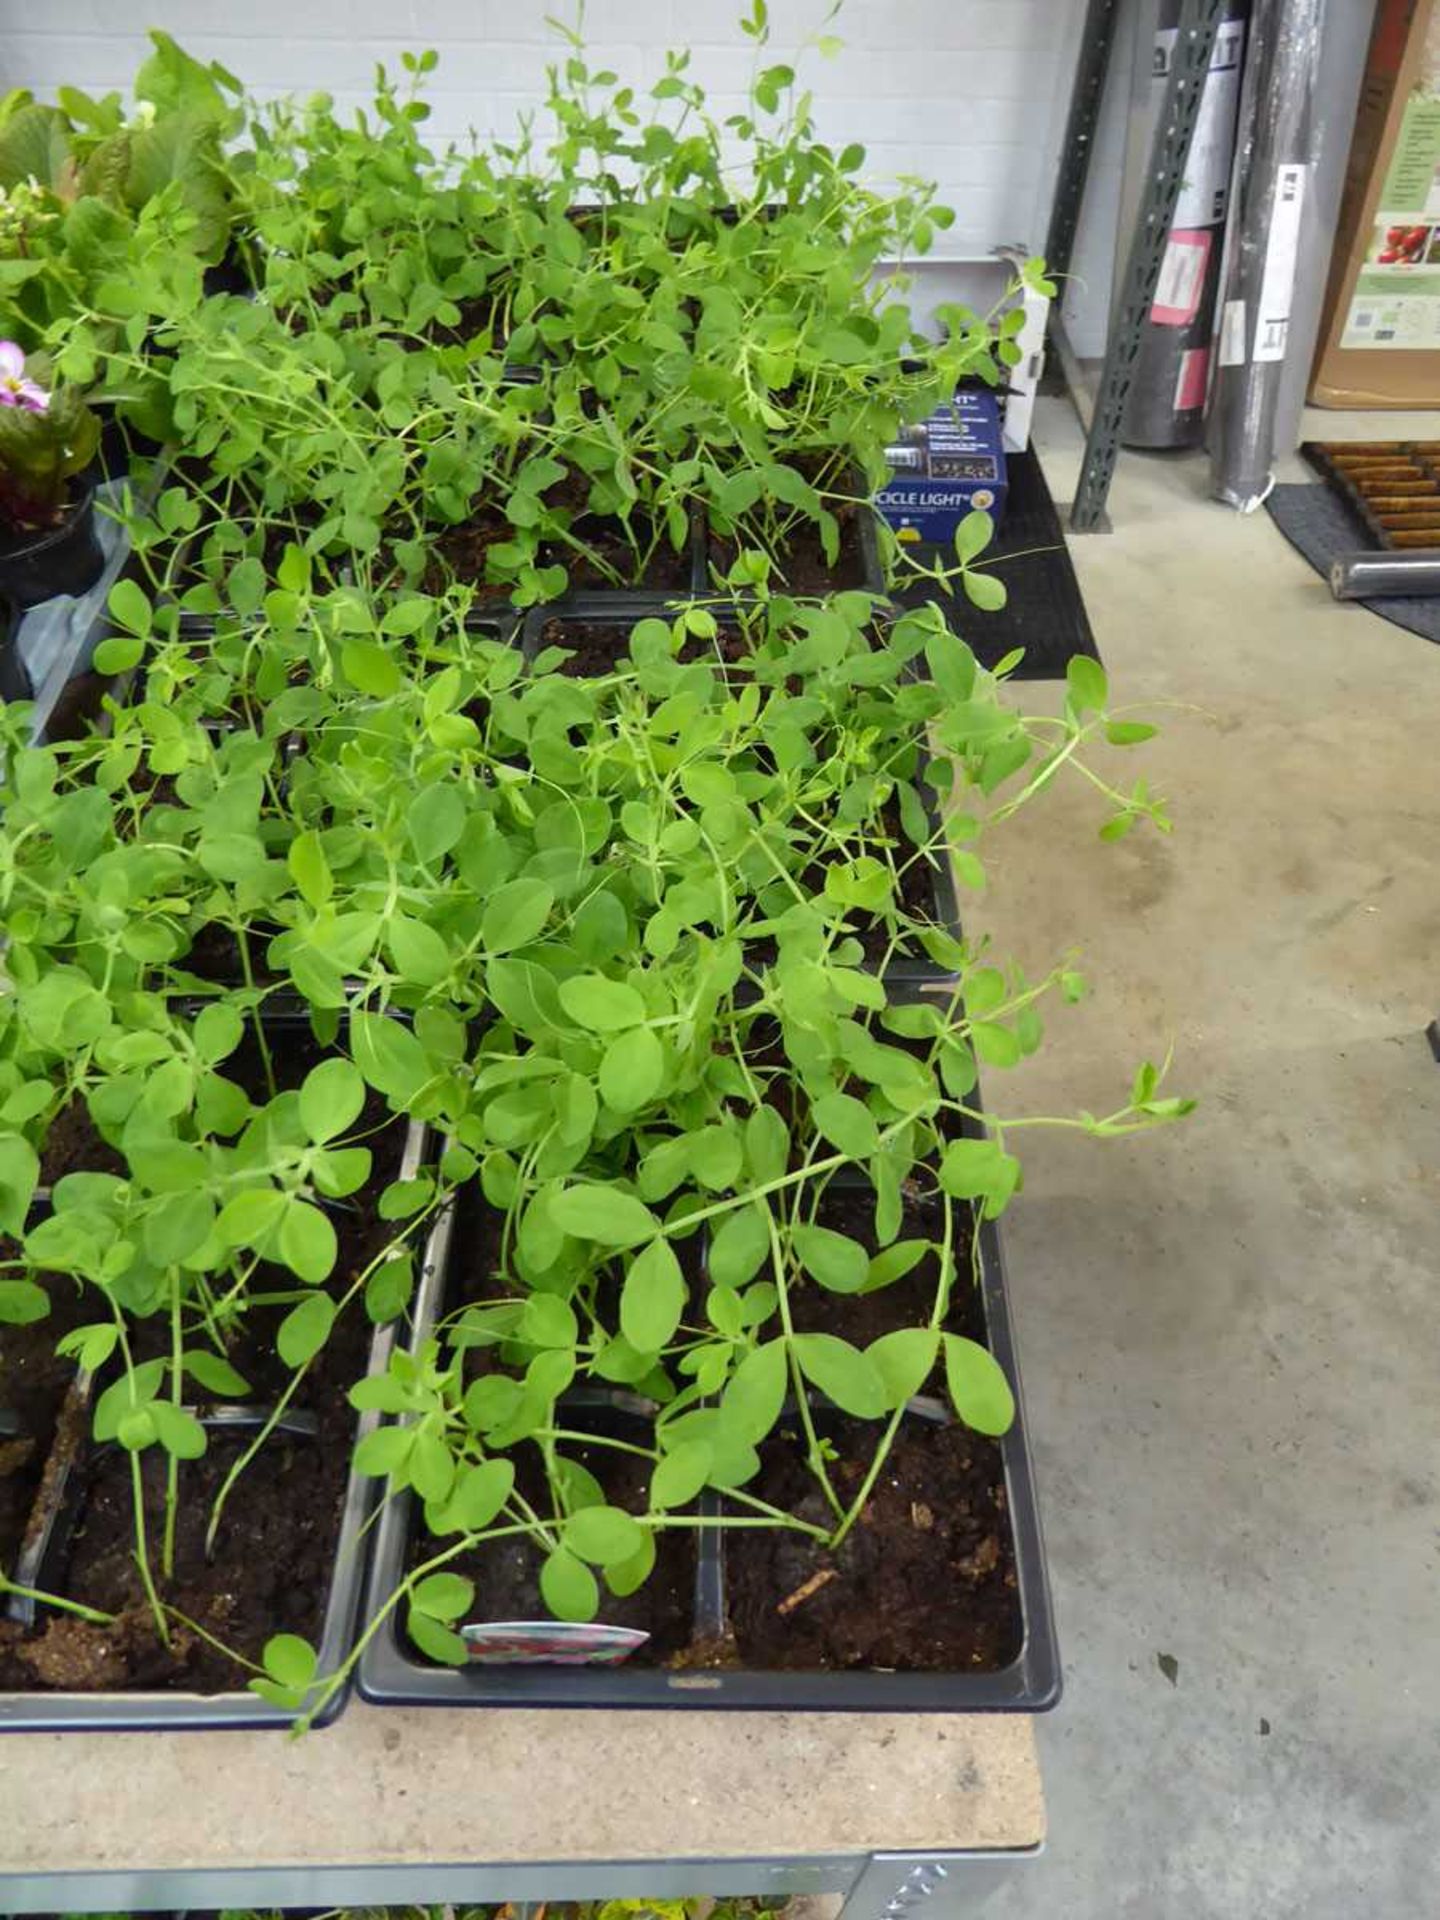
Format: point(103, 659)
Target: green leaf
point(601, 1005)
point(985, 591)
point(116, 656)
point(217, 1032)
point(681, 1473)
point(973, 535)
point(632, 1069)
point(847, 1124)
point(767, 1144)
point(1129, 733)
point(309, 868)
point(547, 1321)
point(371, 669)
point(605, 1536)
point(755, 1392)
point(390, 1057)
point(903, 1360)
point(177, 1431)
point(894, 1262)
point(331, 1099)
point(435, 1640)
point(568, 1587)
point(19, 1177)
point(834, 1259)
point(628, 1576)
point(431, 1466)
point(653, 1298)
point(740, 1246)
point(979, 1170)
point(516, 914)
point(435, 821)
point(601, 1213)
point(307, 1242)
point(1088, 687)
point(842, 1373)
point(479, 1494)
point(179, 1226)
point(215, 1374)
point(130, 608)
point(22, 1303)
point(304, 1330)
point(385, 1451)
point(978, 1388)
point(421, 957)
point(251, 1217)
point(443, 1596)
point(290, 1661)
point(389, 1289)
point(135, 1430)
point(995, 1045)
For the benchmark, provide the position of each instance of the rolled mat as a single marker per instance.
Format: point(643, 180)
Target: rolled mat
point(1273, 165)
point(1374, 576)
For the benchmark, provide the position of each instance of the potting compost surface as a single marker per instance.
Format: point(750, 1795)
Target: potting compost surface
point(1044, 612)
point(1321, 527)
point(925, 1579)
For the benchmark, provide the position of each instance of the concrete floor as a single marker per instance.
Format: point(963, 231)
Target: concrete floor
point(1230, 1331)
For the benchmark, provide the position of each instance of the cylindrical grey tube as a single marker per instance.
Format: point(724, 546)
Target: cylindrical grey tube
point(1374, 576)
point(1166, 407)
point(1272, 171)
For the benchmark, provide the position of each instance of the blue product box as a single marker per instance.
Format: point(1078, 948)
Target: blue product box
point(945, 467)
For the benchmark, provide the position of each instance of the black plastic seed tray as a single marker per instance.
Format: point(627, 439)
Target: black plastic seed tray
point(393, 1674)
point(46, 1712)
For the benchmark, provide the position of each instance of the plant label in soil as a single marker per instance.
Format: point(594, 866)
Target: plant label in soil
point(551, 1643)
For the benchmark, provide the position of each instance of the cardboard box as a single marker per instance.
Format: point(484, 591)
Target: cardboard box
point(940, 470)
point(1380, 333)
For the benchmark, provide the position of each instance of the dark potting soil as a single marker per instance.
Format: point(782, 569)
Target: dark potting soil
point(801, 563)
point(34, 1380)
point(276, 1545)
point(907, 1302)
point(925, 1581)
point(79, 707)
point(460, 554)
point(214, 953)
point(73, 1144)
point(270, 1572)
point(506, 1573)
point(598, 647)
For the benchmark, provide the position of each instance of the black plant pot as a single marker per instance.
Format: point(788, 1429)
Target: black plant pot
point(14, 680)
point(63, 559)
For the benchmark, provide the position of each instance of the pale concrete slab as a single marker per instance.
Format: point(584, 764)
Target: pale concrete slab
point(410, 1787)
point(1230, 1332)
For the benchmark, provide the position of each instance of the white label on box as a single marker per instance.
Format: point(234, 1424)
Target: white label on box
point(1232, 334)
point(1277, 285)
point(1393, 322)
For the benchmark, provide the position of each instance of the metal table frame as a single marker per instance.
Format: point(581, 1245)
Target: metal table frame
point(873, 1886)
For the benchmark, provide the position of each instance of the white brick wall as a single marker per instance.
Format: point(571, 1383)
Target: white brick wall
point(969, 93)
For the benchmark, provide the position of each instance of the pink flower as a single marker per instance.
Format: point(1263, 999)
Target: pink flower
point(15, 389)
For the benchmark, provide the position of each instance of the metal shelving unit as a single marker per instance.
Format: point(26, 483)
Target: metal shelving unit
point(1195, 40)
point(872, 1886)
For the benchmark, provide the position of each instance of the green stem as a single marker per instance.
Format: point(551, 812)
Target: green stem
point(93, 1614)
